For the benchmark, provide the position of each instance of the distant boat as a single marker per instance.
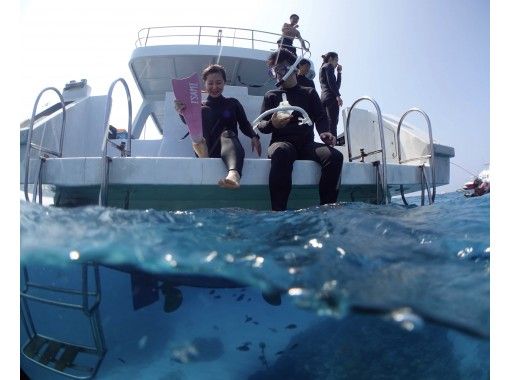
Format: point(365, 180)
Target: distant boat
point(480, 185)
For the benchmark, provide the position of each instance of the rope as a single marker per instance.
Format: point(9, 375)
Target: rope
point(467, 171)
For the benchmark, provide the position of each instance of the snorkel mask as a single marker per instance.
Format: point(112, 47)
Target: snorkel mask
point(282, 72)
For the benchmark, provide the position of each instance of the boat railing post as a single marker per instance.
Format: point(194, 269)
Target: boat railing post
point(199, 34)
point(387, 196)
point(147, 36)
point(219, 37)
point(40, 147)
point(431, 149)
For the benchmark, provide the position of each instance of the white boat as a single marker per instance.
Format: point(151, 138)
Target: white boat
point(66, 148)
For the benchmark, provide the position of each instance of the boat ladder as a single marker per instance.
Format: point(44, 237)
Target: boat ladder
point(423, 175)
point(44, 152)
point(380, 166)
point(72, 360)
point(106, 160)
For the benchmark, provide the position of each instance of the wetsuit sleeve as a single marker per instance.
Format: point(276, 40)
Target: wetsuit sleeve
point(318, 114)
point(266, 126)
point(332, 84)
point(339, 82)
point(244, 124)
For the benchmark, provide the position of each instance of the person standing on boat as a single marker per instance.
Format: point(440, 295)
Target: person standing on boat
point(289, 32)
point(291, 141)
point(220, 117)
point(303, 70)
point(330, 88)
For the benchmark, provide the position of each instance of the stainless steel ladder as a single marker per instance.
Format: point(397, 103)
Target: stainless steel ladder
point(423, 175)
point(380, 166)
point(106, 160)
point(37, 189)
point(68, 359)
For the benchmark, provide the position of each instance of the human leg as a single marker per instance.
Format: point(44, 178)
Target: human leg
point(333, 111)
point(283, 155)
point(331, 161)
point(232, 154)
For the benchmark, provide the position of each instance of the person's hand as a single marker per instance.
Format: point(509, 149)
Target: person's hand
point(280, 120)
point(255, 145)
point(340, 101)
point(328, 138)
point(339, 68)
point(179, 106)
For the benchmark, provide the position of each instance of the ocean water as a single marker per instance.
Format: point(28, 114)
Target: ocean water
point(345, 291)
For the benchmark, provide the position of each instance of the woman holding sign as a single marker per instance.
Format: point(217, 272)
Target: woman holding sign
point(220, 117)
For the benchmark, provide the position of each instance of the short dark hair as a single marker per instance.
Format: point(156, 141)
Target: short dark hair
point(211, 69)
point(304, 62)
point(282, 55)
point(294, 15)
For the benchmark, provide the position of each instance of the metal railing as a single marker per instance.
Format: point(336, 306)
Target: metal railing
point(103, 190)
point(430, 157)
point(91, 311)
point(30, 145)
point(383, 179)
point(211, 35)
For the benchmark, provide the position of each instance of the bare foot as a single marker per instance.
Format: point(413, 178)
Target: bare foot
point(231, 181)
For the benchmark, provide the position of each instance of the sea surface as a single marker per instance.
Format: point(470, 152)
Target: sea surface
point(345, 291)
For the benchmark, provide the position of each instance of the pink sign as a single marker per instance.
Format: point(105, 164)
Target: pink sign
point(187, 90)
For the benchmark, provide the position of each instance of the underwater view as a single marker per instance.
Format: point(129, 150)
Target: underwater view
point(344, 291)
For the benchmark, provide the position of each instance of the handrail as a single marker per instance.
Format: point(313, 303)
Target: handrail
point(104, 147)
point(144, 35)
point(431, 147)
point(91, 311)
point(30, 132)
point(383, 146)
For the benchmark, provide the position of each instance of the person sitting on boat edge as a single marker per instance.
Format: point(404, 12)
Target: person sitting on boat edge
point(291, 141)
point(289, 32)
point(303, 70)
point(330, 88)
point(220, 117)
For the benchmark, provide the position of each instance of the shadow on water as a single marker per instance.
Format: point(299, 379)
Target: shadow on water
point(363, 347)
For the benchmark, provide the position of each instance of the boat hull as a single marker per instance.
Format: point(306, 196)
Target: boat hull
point(189, 183)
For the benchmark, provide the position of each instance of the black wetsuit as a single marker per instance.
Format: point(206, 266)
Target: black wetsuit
point(287, 43)
point(305, 82)
point(296, 142)
point(220, 117)
point(330, 89)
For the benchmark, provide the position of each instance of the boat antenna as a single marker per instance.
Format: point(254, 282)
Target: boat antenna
point(467, 171)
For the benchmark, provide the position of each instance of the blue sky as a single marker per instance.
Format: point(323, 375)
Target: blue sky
point(430, 54)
